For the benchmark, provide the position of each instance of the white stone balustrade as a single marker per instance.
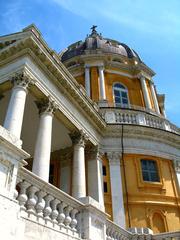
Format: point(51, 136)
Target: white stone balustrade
point(46, 204)
point(167, 236)
point(127, 116)
point(114, 232)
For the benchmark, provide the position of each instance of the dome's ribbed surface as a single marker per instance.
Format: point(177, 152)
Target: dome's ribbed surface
point(95, 42)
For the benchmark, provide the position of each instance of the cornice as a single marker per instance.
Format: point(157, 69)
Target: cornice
point(142, 132)
point(36, 48)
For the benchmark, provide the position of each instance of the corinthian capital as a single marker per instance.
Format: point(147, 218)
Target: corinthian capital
point(94, 153)
point(78, 137)
point(114, 158)
point(46, 105)
point(22, 79)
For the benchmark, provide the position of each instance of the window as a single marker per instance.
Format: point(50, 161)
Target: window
point(104, 171)
point(120, 95)
point(105, 187)
point(149, 171)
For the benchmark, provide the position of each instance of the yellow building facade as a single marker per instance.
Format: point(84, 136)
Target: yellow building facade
point(116, 78)
point(102, 161)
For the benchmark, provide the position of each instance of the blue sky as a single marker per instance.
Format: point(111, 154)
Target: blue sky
point(152, 28)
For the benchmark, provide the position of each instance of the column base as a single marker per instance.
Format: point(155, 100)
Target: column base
point(91, 201)
point(103, 103)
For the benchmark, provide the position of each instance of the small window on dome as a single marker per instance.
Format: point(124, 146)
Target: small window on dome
point(120, 95)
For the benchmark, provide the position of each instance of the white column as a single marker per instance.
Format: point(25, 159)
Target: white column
point(177, 170)
point(78, 171)
point(154, 98)
point(15, 112)
point(87, 81)
point(116, 189)
point(65, 172)
point(95, 176)
point(102, 83)
point(41, 162)
point(145, 92)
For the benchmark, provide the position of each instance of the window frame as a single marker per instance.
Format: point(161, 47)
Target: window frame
point(150, 171)
point(124, 89)
point(143, 184)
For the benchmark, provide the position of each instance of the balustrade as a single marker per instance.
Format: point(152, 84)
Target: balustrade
point(46, 204)
point(49, 206)
point(137, 117)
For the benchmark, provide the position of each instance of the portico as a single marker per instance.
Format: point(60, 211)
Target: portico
point(50, 133)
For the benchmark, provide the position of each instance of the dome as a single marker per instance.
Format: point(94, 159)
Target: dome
point(96, 42)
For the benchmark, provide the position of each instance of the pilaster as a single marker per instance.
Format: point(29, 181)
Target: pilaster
point(116, 188)
point(95, 176)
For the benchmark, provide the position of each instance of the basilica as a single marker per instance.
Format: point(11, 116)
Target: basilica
point(86, 149)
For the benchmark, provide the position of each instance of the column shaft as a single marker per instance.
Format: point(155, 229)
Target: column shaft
point(102, 83)
point(145, 93)
point(95, 178)
point(43, 147)
point(154, 98)
point(116, 190)
point(78, 171)
point(87, 81)
point(78, 180)
point(14, 116)
point(42, 153)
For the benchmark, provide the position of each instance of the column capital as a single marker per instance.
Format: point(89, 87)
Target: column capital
point(101, 67)
point(46, 105)
point(22, 79)
point(94, 153)
point(177, 166)
point(78, 138)
point(86, 66)
point(114, 158)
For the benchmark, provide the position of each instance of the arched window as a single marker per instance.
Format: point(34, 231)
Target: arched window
point(120, 95)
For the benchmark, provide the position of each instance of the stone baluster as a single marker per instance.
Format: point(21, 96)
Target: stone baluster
point(15, 112)
point(47, 210)
point(42, 153)
point(40, 203)
point(32, 199)
point(68, 219)
point(54, 213)
point(22, 197)
point(61, 216)
point(73, 223)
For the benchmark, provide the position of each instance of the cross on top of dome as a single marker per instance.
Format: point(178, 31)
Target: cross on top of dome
point(94, 33)
point(94, 29)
